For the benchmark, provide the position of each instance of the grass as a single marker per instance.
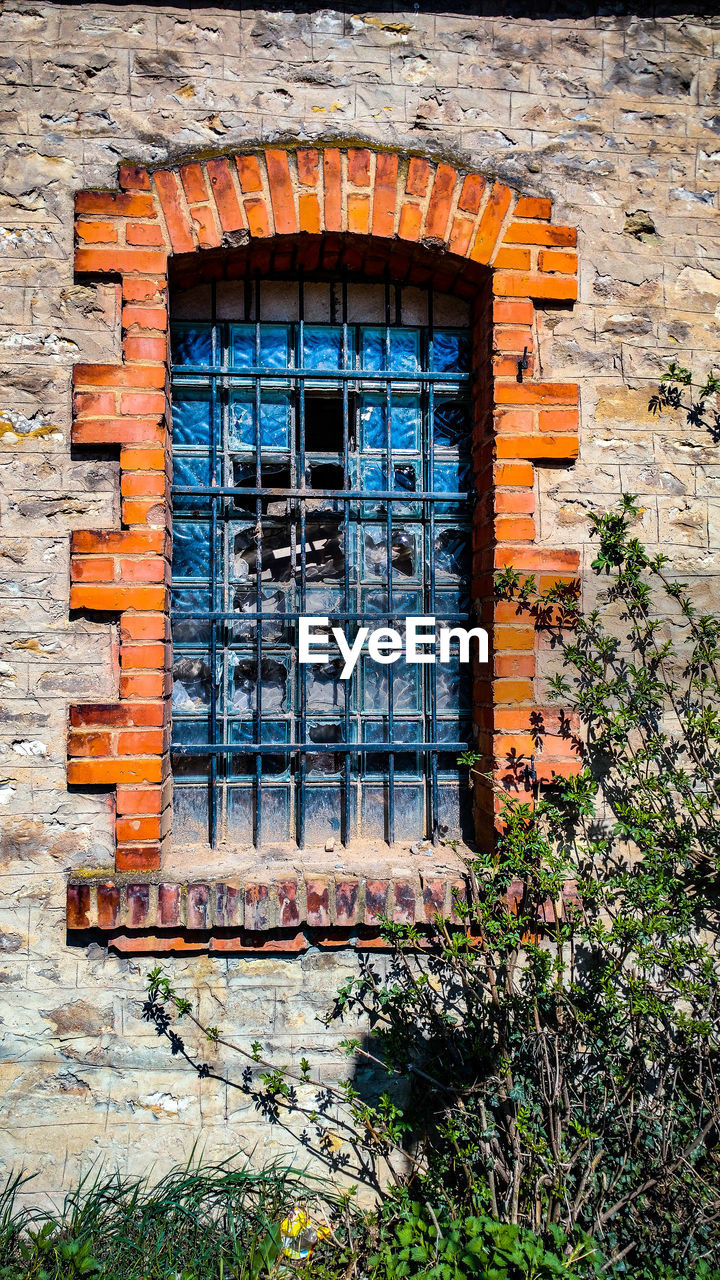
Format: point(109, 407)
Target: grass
point(211, 1223)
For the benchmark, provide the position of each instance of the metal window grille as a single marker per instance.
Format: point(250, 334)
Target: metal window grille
point(319, 469)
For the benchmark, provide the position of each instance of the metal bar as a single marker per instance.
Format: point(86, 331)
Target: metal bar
point(212, 798)
point(389, 566)
point(430, 484)
point(324, 748)
point(345, 788)
point(299, 357)
point(339, 495)
point(326, 375)
point(258, 577)
point(336, 616)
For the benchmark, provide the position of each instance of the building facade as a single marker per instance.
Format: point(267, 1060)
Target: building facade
point(305, 312)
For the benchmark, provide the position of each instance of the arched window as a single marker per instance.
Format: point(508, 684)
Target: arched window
point(322, 469)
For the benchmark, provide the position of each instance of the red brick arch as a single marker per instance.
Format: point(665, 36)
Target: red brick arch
point(471, 225)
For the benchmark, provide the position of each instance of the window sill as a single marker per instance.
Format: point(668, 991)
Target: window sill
point(284, 904)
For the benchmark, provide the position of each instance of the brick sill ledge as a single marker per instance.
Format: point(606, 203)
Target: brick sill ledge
point(218, 912)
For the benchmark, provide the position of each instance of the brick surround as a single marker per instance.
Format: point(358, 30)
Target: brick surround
point(325, 208)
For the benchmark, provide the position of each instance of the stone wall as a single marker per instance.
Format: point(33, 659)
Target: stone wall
point(616, 118)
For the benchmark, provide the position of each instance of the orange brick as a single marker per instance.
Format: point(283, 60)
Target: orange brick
point(417, 177)
point(358, 214)
point(508, 690)
point(514, 529)
point(92, 404)
point(119, 375)
point(142, 459)
point(506, 312)
point(136, 290)
point(142, 684)
point(152, 511)
point(150, 569)
point(144, 261)
point(142, 484)
point(140, 317)
point(410, 222)
point(138, 828)
point(514, 473)
point(535, 285)
point(513, 638)
point(141, 800)
point(89, 744)
point(545, 559)
point(139, 857)
point(472, 193)
point(143, 626)
point(147, 233)
point(226, 200)
point(383, 215)
point(205, 228)
point(309, 210)
point(249, 173)
point(307, 166)
point(84, 773)
point(512, 260)
point(538, 446)
point(193, 180)
point(110, 202)
point(359, 167)
point(332, 176)
point(514, 420)
point(490, 223)
point(533, 207)
point(515, 744)
point(529, 233)
point(117, 431)
point(116, 597)
point(140, 742)
point(460, 236)
point(514, 340)
point(281, 192)
point(257, 217)
point(513, 503)
point(506, 366)
point(139, 347)
point(176, 219)
point(440, 201)
point(514, 665)
point(559, 420)
point(144, 656)
point(133, 177)
point(556, 260)
point(96, 232)
point(91, 569)
point(142, 403)
point(536, 393)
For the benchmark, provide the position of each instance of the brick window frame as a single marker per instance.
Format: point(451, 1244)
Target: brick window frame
point(372, 210)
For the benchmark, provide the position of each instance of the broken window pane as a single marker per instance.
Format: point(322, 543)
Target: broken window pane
point(404, 557)
point(274, 420)
point(274, 678)
point(451, 351)
point(452, 551)
point(191, 683)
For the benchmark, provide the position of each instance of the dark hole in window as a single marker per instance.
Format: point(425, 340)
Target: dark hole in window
point(323, 424)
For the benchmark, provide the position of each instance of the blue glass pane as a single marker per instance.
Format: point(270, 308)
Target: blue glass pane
point(451, 602)
point(191, 416)
point(404, 478)
point(274, 420)
point(405, 556)
point(190, 813)
point(191, 686)
point(322, 813)
point(405, 603)
point(453, 685)
point(241, 731)
point(323, 347)
point(407, 764)
point(452, 424)
point(275, 814)
point(404, 351)
point(191, 344)
point(451, 475)
point(191, 549)
point(405, 420)
point(453, 729)
point(408, 812)
point(452, 552)
point(325, 691)
point(375, 682)
point(191, 630)
point(451, 351)
point(274, 346)
point(190, 471)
